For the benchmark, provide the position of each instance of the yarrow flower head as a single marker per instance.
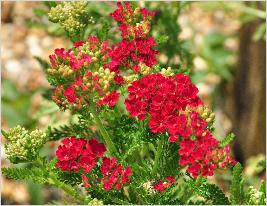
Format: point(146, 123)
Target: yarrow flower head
point(137, 48)
point(133, 22)
point(172, 105)
point(162, 98)
point(79, 154)
point(23, 145)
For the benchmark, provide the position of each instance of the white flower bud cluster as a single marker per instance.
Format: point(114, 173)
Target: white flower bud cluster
point(255, 196)
point(105, 77)
point(167, 72)
point(71, 15)
point(144, 69)
point(148, 186)
point(95, 202)
point(62, 70)
point(23, 145)
point(129, 79)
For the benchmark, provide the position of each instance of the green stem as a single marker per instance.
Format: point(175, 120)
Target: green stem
point(54, 181)
point(110, 146)
point(158, 154)
point(66, 188)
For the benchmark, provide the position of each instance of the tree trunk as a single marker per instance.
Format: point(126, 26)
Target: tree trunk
point(248, 108)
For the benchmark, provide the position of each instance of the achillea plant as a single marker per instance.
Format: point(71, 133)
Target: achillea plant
point(156, 148)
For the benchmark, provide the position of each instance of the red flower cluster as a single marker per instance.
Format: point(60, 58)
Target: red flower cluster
point(161, 97)
point(114, 175)
point(83, 79)
point(166, 100)
point(81, 155)
point(76, 72)
point(61, 55)
point(75, 154)
point(136, 46)
point(129, 54)
point(161, 186)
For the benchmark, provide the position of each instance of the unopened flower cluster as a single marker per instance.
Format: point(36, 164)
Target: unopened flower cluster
point(23, 145)
point(81, 155)
point(72, 16)
point(168, 100)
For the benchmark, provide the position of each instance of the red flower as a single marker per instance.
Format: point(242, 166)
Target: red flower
point(93, 40)
point(130, 28)
point(75, 154)
point(163, 98)
point(113, 174)
point(119, 80)
point(170, 179)
point(166, 100)
point(78, 43)
point(110, 99)
point(161, 186)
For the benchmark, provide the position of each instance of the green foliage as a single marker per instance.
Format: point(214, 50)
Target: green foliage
point(79, 129)
point(17, 104)
point(217, 55)
point(36, 193)
point(70, 178)
point(162, 39)
point(103, 32)
point(50, 4)
point(212, 193)
point(36, 175)
point(227, 140)
point(236, 189)
point(166, 22)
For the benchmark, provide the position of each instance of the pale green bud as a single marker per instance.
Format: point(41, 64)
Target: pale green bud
point(95, 202)
point(73, 16)
point(23, 145)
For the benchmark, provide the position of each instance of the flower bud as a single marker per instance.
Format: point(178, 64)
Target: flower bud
point(23, 145)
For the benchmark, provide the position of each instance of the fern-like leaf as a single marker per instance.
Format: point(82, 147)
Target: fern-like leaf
point(68, 130)
point(236, 188)
point(227, 140)
point(213, 193)
point(36, 175)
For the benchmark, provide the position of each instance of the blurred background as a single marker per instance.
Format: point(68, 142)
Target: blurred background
point(221, 45)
